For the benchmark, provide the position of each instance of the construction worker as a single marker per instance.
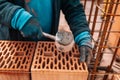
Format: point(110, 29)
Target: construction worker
point(26, 19)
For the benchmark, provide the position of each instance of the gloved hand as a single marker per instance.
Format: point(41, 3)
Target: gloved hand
point(85, 54)
point(32, 29)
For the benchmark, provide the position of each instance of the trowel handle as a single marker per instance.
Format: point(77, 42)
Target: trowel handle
point(48, 35)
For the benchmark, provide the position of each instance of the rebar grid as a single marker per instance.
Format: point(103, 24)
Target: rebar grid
point(101, 34)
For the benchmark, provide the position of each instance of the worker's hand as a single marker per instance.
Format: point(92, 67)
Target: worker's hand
point(85, 54)
point(32, 29)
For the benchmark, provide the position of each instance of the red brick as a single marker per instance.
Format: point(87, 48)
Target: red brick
point(51, 64)
point(16, 59)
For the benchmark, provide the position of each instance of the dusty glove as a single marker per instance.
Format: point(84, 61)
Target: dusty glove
point(85, 54)
point(32, 29)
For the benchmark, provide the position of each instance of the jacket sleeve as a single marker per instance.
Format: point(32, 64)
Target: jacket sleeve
point(7, 9)
point(75, 16)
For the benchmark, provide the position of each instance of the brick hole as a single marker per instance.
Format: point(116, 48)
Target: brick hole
point(51, 58)
point(28, 58)
point(53, 44)
point(39, 46)
point(47, 67)
point(22, 45)
point(71, 61)
point(67, 66)
point(8, 60)
point(13, 66)
point(48, 54)
point(78, 60)
point(35, 62)
point(63, 54)
point(32, 45)
point(1, 58)
point(20, 58)
point(73, 50)
point(0, 55)
point(2, 44)
point(16, 60)
point(6, 56)
point(72, 68)
point(19, 43)
point(44, 58)
point(45, 48)
point(59, 65)
point(70, 54)
point(30, 50)
point(21, 67)
point(67, 57)
point(18, 65)
point(37, 56)
point(35, 67)
point(52, 49)
point(59, 57)
point(24, 48)
point(75, 66)
point(5, 66)
point(83, 66)
point(51, 65)
point(2, 64)
point(29, 46)
point(63, 67)
point(40, 60)
point(48, 61)
point(5, 52)
point(41, 51)
point(27, 52)
point(80, 68)
point(10, 64)
point(55, 67)
point(63, 61)
point(19, 54)
point(13, 58)
point(18, 47)
point(43, 65)
point(25, 67)
point(55, 61)
point(13, 50)
point(55, 53)
point(49, 45)
point(24, 60)
point(9, 44)
point(42, 45)
point(38, 50)
point(74, 59)
point(39, 67)
point(3, 48)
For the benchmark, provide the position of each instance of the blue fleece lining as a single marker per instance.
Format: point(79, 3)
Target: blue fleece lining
point(20, 18)
point(83, 39)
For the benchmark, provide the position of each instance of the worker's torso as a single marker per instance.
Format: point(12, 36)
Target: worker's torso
point(42, 10)
point(38, 10)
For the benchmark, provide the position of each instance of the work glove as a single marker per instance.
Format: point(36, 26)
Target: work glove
point(86, 54)
point(85, 46)
point(32, 29)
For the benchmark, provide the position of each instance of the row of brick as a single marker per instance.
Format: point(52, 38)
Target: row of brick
point(40, 60)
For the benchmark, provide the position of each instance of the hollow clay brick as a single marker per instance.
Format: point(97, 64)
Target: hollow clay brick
point(16, 59)
point(51, 64)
